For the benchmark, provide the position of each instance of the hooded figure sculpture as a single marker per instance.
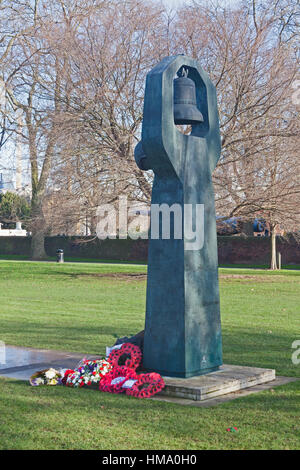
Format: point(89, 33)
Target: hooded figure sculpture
point(182, 329)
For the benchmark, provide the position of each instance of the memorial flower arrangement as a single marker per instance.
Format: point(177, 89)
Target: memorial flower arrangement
point(107, 375)
point(46, 377)
point(124, 379)
point(88, 372)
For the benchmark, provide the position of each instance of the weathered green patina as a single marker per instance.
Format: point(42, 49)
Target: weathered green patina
point(183, 328)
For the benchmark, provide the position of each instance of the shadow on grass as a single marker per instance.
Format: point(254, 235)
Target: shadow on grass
point(260, 349)
point(240, 346)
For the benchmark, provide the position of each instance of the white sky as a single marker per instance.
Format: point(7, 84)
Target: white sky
point(175, 3)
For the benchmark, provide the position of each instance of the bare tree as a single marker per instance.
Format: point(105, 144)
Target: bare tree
point(107, 62)
point(253, 69)
point(33, 84)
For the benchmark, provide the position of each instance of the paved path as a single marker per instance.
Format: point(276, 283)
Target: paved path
point(70, 261)
point(21, 363)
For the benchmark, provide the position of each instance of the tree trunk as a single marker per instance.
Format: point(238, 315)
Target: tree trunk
point(38, 245)
point(93, 225)
point(38, 229)
point(273, 248)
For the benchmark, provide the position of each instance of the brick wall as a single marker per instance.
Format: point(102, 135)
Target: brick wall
point(231, 249)
point(256, 250)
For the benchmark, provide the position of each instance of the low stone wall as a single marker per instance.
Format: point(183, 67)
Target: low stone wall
point(256, 250)
point(124, 250)
point(15, 246)
point(231, 249)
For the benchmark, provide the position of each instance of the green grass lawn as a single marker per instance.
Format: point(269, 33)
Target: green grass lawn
point(85, 307)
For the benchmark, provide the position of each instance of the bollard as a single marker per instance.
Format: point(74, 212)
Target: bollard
point(279, 260)
point(60, 256)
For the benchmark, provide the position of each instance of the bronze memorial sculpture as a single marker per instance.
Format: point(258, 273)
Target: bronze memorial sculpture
point(183, 328)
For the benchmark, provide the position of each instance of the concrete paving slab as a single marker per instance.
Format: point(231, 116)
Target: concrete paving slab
point(228, 379)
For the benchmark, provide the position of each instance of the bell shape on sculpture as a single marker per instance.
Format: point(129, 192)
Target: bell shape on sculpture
point(185, 104)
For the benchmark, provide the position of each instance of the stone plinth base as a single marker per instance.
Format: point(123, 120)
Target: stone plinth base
point(226, 380)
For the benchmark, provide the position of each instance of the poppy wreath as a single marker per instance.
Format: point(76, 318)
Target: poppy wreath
point(155, 384)
point(127, 349)
point(125, 373)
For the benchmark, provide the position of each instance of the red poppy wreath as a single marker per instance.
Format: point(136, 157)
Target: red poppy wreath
point(155, 384)
point(114, 380)
point(127, 349)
